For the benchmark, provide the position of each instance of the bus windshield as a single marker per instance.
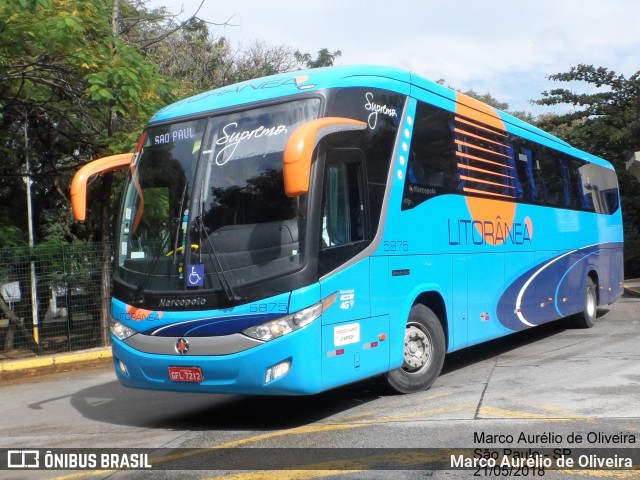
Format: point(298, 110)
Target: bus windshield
point(205, 207)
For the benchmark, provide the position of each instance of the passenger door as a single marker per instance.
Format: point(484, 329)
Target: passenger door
point(351, 347)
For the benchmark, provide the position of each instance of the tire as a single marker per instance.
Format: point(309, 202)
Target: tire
point(424, 351)
point(587, 318)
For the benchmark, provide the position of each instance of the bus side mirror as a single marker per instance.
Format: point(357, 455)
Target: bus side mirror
point(84, 176)
point(299, 150)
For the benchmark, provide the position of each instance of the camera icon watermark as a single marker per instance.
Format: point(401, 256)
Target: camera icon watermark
point(23, 459)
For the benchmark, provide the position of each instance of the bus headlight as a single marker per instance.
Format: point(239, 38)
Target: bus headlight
point(120, 330)
point(290, 323)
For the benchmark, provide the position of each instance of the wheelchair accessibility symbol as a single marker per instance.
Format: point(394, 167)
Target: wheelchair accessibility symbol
point(195, 277)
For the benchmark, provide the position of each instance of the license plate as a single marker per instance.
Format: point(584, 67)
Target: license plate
point(186, 374)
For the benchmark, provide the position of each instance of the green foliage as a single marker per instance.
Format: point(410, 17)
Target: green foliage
point(605, 121)
point(324, 58)
point(10, 236)
point(189, 56)
point(70, 90)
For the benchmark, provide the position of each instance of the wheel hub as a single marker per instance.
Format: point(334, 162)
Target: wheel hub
point(417, 348)
point(591, 305)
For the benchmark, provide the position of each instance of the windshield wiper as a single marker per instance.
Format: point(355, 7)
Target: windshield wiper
point(231, 295)
point(138, 298)
point(181, 214)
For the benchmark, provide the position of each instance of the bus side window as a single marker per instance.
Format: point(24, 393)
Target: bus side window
point(581, 198)
point(343, 216)
point(599, 188)
point(541, 191)
point(431, 169)
point(556, 187)
point(525, 169)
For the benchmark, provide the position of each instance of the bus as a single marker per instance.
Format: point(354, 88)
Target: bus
point(299, 232)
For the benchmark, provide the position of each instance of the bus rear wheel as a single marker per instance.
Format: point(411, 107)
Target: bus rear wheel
point(424, 351)
point(587, 318)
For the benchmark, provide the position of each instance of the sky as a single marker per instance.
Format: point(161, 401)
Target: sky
point(503, 47)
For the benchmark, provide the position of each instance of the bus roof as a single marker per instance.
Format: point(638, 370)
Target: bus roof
point(401, 81)
point(286, 84)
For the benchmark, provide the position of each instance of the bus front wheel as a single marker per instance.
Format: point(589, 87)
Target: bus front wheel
point(424, 351)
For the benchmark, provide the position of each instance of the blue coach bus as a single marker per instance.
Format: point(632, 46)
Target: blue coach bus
point(294, 233)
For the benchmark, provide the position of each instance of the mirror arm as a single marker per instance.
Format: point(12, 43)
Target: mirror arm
point(84, 176)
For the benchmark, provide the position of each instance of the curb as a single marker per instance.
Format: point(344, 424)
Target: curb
point(632, 287)
point(55, 360)
point(632, 291)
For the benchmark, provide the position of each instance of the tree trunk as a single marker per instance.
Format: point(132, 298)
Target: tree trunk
point(105, 223)
point(105, 258)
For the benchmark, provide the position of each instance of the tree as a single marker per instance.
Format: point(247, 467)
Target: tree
point(605, 122)
point(70, 90)
point(184, 51)
point(79, 79)
point(324, 58)
point(259, 60)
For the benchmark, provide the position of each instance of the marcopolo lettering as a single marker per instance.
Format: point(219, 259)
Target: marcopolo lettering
point(182, 302)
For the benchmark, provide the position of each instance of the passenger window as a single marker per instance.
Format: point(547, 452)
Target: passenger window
point(579, 200)
point(555, 185)
point(600, 187)
point(525, 168)
point(432, 167)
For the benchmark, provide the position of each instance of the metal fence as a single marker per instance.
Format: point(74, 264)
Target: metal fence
point(51, 300)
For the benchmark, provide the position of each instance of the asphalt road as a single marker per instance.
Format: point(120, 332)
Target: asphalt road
point(544, 389)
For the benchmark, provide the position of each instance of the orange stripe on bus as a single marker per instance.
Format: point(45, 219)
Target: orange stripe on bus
point(484, 139)
point(482, 170)
point(471, 145)
point(486, 182)
point(484, 192)
point(480, 127)
point(478, 111)
point(480, 159)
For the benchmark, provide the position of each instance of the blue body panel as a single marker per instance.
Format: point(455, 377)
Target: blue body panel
point(200, 323)
point(238, 373)
point(443, 247)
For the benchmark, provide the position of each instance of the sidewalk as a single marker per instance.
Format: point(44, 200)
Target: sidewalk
point(27, 367)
